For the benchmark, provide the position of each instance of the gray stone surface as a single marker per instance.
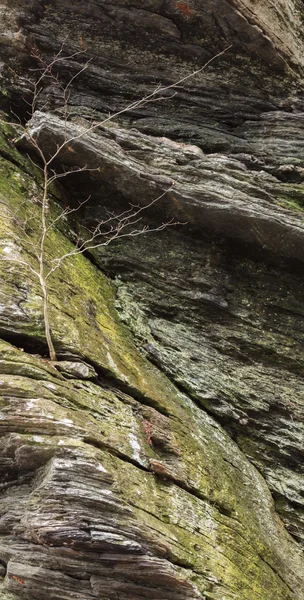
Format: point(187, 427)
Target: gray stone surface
point(162, 457)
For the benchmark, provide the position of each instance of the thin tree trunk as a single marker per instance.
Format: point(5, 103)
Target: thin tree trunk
point(42, 279)
point(47, 328)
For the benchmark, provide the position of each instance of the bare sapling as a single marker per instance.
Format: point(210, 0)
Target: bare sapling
point(128, 223)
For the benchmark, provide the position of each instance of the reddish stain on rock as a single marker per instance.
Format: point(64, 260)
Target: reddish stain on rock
point(184, 8)
point(17, 579)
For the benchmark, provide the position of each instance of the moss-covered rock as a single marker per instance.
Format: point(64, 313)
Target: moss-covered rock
point(140, 473)
point(177, 491)
point(129, 466)
point(227, 331)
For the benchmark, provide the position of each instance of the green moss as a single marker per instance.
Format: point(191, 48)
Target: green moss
point(291, 204)
point(175, 523)
point(8, 150)
point(190, 499)
point(81, 299)
point(290, 196)
point(193, 535)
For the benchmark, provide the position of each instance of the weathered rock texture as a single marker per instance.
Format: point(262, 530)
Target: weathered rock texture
point(161, 456)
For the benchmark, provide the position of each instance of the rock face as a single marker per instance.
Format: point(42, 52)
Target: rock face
point(161, 455)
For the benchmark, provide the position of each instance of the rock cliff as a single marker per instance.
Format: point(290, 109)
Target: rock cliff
point(161, 455)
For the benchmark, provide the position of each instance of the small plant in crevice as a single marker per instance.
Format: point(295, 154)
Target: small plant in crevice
point(126, 224)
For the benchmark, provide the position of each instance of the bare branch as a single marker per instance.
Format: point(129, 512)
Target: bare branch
point(83, 169)
point(34, 163)
point(77, 74)
point(129, 223)
point(67, 211)
point(113, 232)
point(20, 261)
point(136, 104)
